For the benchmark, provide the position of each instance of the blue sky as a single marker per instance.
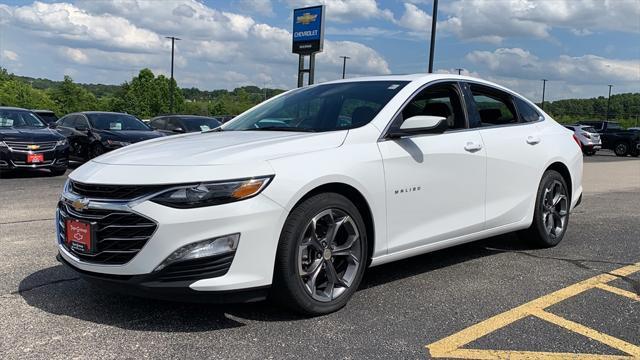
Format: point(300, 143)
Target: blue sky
point(580, 46)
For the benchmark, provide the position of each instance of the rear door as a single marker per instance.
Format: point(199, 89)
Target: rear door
point(435, 182)
point(514, 154)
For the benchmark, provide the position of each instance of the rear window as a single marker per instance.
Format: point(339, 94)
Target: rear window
point(589, 129)
point(48, 117)
point(614, 126)
point(526, 111)
point(116, 122)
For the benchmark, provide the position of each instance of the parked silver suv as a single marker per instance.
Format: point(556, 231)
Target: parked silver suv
point(588, 137)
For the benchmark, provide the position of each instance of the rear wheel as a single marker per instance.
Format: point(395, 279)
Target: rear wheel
point(321, 256)
point(551, 215)
point(621, 149)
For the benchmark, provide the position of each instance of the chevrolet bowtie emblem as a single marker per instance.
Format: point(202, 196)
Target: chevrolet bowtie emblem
point(33, 147)
point(80, 204)
point(306, 19)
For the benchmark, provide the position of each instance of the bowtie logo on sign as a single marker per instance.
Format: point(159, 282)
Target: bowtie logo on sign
point(306, 19)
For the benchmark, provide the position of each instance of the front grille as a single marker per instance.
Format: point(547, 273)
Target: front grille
point(114, 192)
point(27, 146)
point(196, 269)
point(120, 235)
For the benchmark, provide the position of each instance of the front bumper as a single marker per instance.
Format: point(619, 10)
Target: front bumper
point(258, 220)
point(57, 158)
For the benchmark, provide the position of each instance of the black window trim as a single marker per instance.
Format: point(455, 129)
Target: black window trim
point(396, 118)
point(511, 94)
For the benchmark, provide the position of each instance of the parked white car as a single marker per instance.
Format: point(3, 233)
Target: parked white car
point(588, 137)
point(302, 193)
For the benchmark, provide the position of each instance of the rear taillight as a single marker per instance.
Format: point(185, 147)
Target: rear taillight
point(586, 135)
point(577, 140)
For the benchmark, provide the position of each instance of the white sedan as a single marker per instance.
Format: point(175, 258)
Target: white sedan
point(299, 195)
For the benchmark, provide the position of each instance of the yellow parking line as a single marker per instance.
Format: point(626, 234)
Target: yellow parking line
point(451, 346)
point(618, 291)
point(590, 333)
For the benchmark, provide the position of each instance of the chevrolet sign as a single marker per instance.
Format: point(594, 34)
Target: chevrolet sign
point(308, 30)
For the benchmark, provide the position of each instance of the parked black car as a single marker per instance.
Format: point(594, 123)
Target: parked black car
point(47, 116)
point(614, 137)
point(178, 124)
point(26, 142)
point(92, 133)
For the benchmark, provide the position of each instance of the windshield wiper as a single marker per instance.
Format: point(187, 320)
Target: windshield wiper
point(280, 128)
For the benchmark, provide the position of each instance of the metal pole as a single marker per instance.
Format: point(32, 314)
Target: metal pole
point(171, 85)
point(609, 101)
point(544, 86)
point(300, 70)
point(344, 65)
point(312, 67)
point(459, 71)
point(434, 21)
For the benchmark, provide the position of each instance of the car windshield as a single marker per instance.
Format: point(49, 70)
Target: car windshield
point(318, 108)
point(116, 122)
point(200, 123)
point(19, 119)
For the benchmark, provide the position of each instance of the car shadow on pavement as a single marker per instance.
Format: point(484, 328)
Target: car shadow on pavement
point(58, 290)
point(25, 174)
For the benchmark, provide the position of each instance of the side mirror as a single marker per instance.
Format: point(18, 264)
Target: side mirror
point(421, 124)
point(178, 130)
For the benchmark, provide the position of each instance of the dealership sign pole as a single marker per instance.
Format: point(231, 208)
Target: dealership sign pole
point(308, 38)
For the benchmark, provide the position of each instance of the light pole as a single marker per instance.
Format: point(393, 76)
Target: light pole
point(171, 90)
point(609, 101)
point(544, 86)
point(434, 21)
point(344, 65)
point(459, 71)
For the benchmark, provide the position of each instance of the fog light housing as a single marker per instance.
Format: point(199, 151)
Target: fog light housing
point(205, 248)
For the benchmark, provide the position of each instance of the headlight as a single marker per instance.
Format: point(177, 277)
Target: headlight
point(212, 247)
point(118, 143)
point(62, 142)
point(214, 193)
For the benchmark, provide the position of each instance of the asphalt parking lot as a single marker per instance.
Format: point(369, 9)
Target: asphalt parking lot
point(498, 298)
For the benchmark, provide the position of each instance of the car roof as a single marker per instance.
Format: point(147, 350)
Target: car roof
point(423, 77)
point(183, 116)
point(101, 112)
point(12, 108)
point(42, 111)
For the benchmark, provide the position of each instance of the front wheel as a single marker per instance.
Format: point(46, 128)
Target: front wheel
point(321, 256)
point(551, 215)
point(621, 149)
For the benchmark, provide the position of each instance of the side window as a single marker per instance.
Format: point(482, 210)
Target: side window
point(438, 100)
point(494, 107)
point(526, 111)
point(80, 121)
point(159, 124)
point(173, 124)
point(356, 112)
point(68, 121)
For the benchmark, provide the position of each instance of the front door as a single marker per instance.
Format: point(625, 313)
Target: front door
point(435, 183)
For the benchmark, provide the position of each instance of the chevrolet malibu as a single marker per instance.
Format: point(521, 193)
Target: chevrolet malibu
point(299, 195)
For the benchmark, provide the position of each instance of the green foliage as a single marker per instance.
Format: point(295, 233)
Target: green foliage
point(71, 97)
point(147, 95)
point(16, 93)
point(624, 108)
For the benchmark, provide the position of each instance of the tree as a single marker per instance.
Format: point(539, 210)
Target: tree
point(147, 95)
point(71, 97)
point(17, 93)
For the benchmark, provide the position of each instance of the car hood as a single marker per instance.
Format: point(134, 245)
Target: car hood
point(132, 136)
point(29, 134)
point(224, 147)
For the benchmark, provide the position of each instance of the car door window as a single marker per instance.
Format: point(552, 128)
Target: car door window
point(81, 122)
point(438, 100)
point(356, 112)
point(68, 121)
point(494, 107)
point(173, 124)
point(159, 124)
point(527, 112)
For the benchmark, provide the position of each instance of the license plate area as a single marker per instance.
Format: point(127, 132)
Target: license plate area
point(35, 158)
point(80, 236)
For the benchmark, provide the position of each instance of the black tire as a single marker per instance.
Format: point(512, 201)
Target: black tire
point(538, 233)
point(621, 149)
point(95, 151)
point(289, 288)
point(58, 172)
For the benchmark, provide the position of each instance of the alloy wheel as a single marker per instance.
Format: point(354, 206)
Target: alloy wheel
point(621, 149)
point(329, 255)
point(555, 209)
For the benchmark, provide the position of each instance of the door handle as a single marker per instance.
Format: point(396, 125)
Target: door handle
point(472, 146)
point(532, 140)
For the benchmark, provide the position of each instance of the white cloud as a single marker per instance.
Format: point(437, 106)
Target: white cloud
point(346, 11)
point(493, 21)
point(10, 55)
point(586, 69)
point(258, 7)
point(75, 55)
point(415, 19)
